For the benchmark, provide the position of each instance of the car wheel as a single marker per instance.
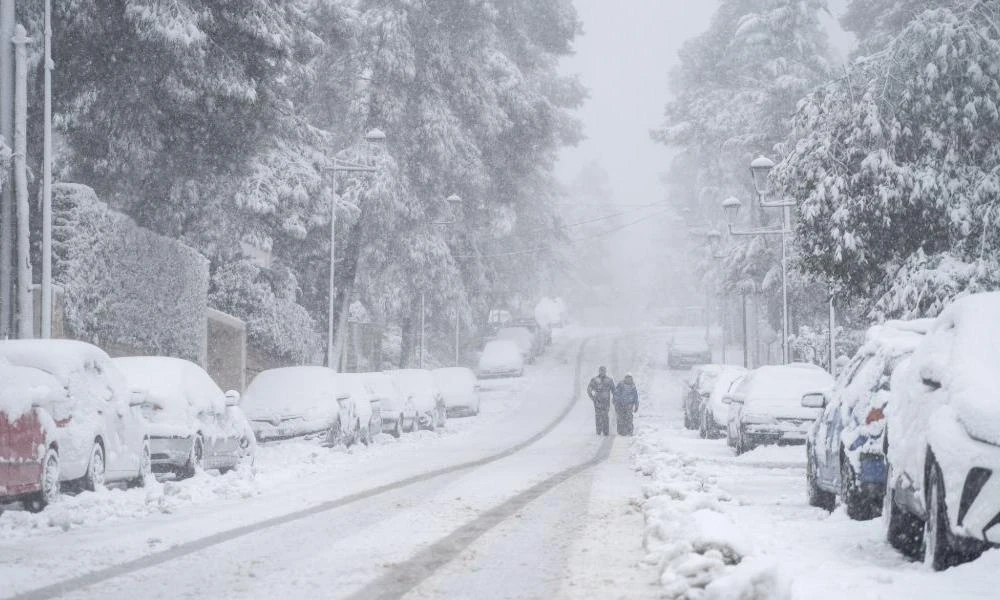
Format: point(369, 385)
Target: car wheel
point(145, 467)
point(940, 545)
point(362, 435)
point(96, 469)
point(197, 459)
point(858, 506)
point(335, 435)
point(397, 430)
point(703, 428)
point(903, 531)
point(817, 497)
point(741, 444)
point(49, 483)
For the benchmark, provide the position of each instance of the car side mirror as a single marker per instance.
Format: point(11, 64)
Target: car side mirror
point(814, 400)
point(137, 397)
point(931, 375)
point(232, 398)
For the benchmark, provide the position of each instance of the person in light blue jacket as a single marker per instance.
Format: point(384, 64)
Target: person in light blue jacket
point(626, 404)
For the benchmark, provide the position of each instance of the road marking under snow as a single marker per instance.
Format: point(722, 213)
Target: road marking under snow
point(152, 560)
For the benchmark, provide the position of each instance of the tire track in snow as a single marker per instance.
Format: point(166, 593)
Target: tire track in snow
point(77, 583)
point(410, 574)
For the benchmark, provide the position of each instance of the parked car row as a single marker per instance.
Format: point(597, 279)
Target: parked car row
point(511, 347)
point(910, 430)
point(72, 418)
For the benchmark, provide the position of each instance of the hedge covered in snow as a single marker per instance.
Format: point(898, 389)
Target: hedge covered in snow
point(125, 286)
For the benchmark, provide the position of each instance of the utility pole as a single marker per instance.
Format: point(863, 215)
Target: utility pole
point(46, 329)
point(25, 309)
point(7, 17)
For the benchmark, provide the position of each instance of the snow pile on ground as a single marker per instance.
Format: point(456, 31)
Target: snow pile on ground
point(699, 551)
point(112, 504)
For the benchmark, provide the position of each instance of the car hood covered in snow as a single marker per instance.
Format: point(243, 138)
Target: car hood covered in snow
point(777, 391)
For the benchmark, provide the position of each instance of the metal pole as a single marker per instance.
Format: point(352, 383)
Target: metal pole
point(457, 333)
point(746, 335)
point(784, 289)
point(422, 323)
point(833, 335)
point(331, 361)
point(47, 182)
point(7, 19)
point(25, 311)
point(722, 324)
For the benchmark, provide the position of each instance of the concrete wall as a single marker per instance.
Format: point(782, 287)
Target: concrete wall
point(227, 350)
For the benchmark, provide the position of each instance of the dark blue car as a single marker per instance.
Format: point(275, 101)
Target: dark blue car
point(845, 448)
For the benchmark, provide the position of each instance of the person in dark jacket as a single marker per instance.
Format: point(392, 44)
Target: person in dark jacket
point(601, 390)
point(626, 404)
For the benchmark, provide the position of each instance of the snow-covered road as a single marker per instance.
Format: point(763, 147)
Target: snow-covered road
point(493, 508)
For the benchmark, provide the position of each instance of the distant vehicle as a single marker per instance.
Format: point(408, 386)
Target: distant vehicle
point(192, 424)
point(715, 413)
point(524, 339)
point(368, 414)
point(687, 350)
point(460, 390)
point(99, 435)
point(418, 385)
point(766, 405)
point(29, 451)
point(297, 401)
point(543, 335)
point(943, 488)
point(697, 386)
point(399, 414)
point(845, 448)
point(500, 358)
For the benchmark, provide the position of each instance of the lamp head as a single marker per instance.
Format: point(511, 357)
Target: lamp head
point(760, 168)
point(732, 207)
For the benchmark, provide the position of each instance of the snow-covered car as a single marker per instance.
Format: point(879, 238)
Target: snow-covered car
point(524, 339)
point(29, 453)
point(715, 413)
point(99, 433)
point(695, 390)
point(500, 358)
point(399, 414)
point(418, 385)
point(943, 487)
point(460, 390)
point(765, 407)
point(297, 401)
point(845, 453)
point(687, 350)
point(192, 424)
point(367, 413)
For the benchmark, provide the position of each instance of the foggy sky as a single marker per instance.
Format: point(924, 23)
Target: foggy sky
point(624, 58)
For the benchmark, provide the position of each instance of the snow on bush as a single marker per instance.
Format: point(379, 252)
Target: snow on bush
point(124, 285)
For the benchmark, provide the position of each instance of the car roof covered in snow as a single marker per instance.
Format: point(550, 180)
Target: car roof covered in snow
point(61, 358)
point(22, 387)
point(168, 380)
point(289, 390)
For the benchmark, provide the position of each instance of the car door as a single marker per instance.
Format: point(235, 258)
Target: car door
point(5, 454)
point(24, 438)
point(122, 428)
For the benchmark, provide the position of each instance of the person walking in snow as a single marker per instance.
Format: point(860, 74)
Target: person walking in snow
point(601, 390)
point(626, 404)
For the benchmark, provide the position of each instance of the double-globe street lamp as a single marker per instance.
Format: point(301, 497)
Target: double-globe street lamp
point(373, 137)
point(760, 168)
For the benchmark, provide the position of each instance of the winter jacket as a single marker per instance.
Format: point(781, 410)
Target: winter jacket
point(626, 396)
point(601, 390)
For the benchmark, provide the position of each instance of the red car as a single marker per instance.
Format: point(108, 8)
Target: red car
point(29, 455)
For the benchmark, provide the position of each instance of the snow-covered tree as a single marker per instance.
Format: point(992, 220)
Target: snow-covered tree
point(896, 166)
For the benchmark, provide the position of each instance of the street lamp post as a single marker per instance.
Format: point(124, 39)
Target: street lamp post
point(759, 170)
point(714, 237)
point(374, 136)
point(454, 203)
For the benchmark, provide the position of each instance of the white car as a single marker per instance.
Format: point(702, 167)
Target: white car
point(98, 430)
point(418, 386)
point(943, 488)
point(367, 414)
point(524, 339)
point(500, 358)
point(399, 414)
point(296, 401)
point(460, 390)
point(192, 423)
point(765, 407)
point(714, 416)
